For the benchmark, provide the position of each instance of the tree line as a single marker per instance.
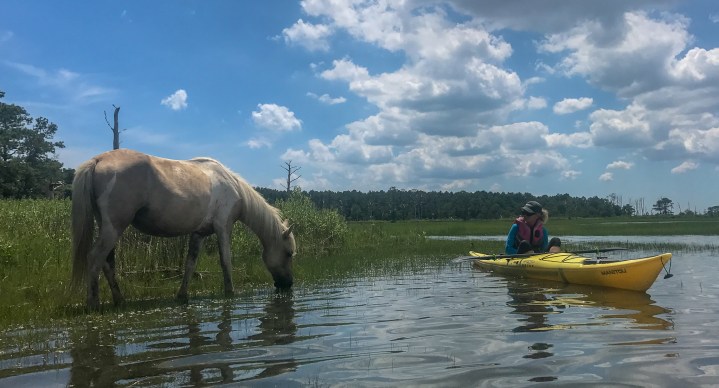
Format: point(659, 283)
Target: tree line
point(30, 169)
point(398, 204)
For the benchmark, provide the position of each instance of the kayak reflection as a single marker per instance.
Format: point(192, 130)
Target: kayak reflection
point(537, 301)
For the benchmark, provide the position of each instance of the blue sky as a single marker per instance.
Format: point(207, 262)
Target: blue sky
point(538, 96)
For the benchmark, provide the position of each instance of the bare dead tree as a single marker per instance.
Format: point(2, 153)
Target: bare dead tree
point(115, 129)
point(291, 170)
point(639, 206)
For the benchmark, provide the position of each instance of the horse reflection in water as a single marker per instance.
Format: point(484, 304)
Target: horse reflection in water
point(164, 197)
point(277, 324)
point(277, 327)
point(94, 361)
point(204, 352)
point(225, 360)
point(200, 344)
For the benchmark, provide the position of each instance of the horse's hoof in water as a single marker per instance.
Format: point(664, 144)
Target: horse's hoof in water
point(182, 298)
point(283, 285)
point(283, 291)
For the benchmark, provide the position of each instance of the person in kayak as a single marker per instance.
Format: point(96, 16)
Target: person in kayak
point(528, 232)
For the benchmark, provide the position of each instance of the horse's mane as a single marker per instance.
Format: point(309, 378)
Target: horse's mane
point(261, 217)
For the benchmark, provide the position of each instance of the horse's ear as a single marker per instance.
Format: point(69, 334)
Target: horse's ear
point(287, 232)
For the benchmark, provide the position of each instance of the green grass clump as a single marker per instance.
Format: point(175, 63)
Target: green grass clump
point(317, 232)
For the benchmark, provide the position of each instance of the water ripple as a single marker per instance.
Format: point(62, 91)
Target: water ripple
point(446, 326)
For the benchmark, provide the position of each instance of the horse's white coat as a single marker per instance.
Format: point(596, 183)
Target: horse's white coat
point(103, 200)
point(168, 198)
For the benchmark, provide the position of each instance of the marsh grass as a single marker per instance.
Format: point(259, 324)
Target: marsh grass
point(615, 226)
point(35, 249)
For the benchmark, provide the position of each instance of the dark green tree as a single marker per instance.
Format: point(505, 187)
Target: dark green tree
point(713, 211)
point(628, 210)
point(28, 166)
point(664, 206)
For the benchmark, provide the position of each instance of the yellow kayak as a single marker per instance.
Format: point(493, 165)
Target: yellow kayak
point(633, 274)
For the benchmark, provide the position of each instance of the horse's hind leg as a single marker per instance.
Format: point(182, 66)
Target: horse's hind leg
point(190, 263)
point(109, 269)
point(97, 259)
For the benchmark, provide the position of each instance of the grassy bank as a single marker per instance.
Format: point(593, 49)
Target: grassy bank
point(35, 247)
point(615, 226)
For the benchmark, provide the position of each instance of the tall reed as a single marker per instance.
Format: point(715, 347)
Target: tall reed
point(35, 262)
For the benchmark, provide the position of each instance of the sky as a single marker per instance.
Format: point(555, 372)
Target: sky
point(610, 99)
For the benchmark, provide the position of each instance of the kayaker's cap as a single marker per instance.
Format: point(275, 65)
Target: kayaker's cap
point(532, 207)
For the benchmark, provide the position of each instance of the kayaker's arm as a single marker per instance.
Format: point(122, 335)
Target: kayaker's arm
point(509, 247)
point(545, 240)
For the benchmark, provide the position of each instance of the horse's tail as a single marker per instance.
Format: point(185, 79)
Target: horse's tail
point(83, 223)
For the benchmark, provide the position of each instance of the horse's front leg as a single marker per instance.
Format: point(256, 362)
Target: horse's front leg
point(109, 270)
point(224, 240)
point(190, 263)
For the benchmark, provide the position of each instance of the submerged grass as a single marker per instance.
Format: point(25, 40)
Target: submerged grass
point(35, 248)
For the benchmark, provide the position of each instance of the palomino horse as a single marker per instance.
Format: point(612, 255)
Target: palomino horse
point(164, 197)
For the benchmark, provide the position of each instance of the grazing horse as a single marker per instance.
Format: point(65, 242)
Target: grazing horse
point(164, 197)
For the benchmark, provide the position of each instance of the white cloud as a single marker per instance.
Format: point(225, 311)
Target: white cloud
point(425, 103)
point(570, 174)
point(546, 16)
point(606, 177)
point(344, 69)
point(276, 118)
point(522, 136)
point(617, 67)
point(451, 109)
point(685, 167)
point(697, 65)
point(176, 101)
point(311, 36)
point(257, 143)
point(72, 86)
point(59, 77)
point(577, 139)
point(571, 105)
point(326, 99)
point(442, 113)
point(620, 164)
point(627, 128)
point(536, 103)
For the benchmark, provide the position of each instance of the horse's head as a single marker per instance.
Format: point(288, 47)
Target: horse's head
point(278, 258)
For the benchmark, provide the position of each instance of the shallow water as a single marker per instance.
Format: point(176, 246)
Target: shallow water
point(446, 325)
